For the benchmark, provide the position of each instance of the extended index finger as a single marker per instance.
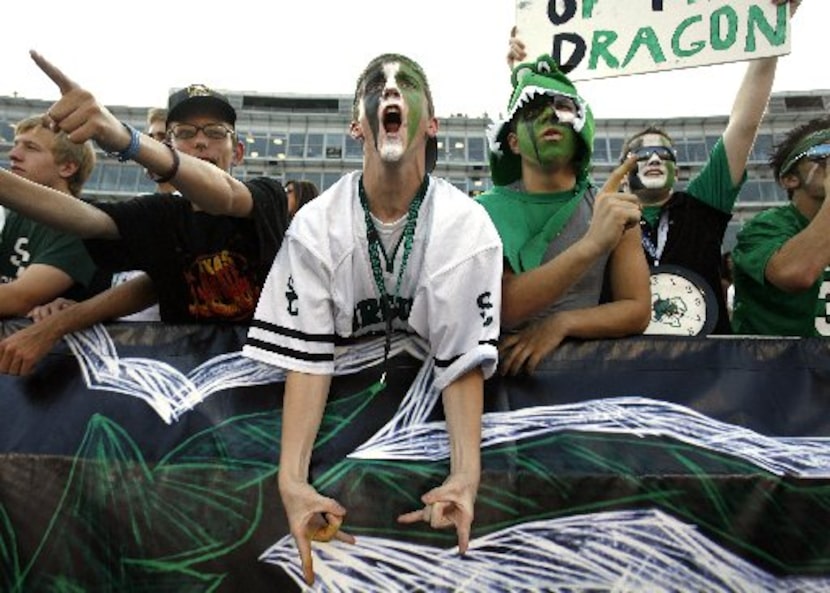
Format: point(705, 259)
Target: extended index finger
point(618, 174)
point(304, 548)
point(64, 83)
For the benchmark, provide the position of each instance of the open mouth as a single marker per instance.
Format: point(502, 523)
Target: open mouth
point(392, 119)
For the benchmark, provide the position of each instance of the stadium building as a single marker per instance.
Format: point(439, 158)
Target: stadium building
point(306, 137)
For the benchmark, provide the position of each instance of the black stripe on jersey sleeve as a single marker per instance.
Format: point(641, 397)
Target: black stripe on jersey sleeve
point(289, 352)
point(442, 363)
point(292, 333)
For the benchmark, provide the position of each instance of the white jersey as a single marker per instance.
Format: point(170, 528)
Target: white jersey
point(321, 292)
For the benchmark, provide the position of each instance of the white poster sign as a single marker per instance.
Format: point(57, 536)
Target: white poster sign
point(604, 38)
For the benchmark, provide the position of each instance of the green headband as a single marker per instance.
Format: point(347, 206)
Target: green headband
point(810, 140)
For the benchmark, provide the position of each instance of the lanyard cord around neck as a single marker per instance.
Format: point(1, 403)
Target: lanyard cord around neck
point(656, 252)
point(376, 250)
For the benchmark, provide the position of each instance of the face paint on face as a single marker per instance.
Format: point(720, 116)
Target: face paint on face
point(656, 174)
point(811, 173)
point(653, 173)
point(545, 141)
point(392, 92)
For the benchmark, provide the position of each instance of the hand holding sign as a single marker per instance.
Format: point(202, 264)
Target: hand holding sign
point(517, 51)
point(79, 114)
point(614, 211)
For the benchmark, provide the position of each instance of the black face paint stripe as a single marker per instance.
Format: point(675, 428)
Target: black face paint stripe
point(529, 128)
point(371, 100)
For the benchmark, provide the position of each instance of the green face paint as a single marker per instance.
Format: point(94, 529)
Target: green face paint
point(406, 82)
point(533, 145)
point(412, 90)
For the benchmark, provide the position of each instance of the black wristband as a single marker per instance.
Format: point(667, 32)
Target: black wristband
point(174, 169)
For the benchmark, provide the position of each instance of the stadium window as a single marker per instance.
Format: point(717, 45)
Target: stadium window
point(296, 145)
point(109, 177)
point(314, 149)
point(475, 149)
point(256, 145)
point(129, 177)
point(762, 148)
point(334, 146)
point(600, 150)
point(456, 150)
point(354, 149)
point(278, 146)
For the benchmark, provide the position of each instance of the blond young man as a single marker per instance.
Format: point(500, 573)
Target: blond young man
point(37, 263)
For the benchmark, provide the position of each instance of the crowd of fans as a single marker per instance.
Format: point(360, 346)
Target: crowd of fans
point(494, 281)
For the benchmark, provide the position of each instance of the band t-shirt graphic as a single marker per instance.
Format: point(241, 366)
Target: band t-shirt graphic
point(222, 285)
point(206, 268)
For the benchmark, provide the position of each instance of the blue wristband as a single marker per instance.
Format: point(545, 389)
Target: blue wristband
point(131, 151)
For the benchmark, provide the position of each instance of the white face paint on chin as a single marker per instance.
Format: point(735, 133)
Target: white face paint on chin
point(391, 150)
point(652, 180)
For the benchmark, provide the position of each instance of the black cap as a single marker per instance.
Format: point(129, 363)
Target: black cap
point(198, 97)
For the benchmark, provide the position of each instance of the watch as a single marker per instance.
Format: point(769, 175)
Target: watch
point(682, 303)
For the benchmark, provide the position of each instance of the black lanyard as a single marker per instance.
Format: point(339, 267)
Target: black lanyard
point(376, 250)
point(656, 251)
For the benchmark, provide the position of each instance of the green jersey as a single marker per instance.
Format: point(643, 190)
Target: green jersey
point(24, 242)
point(760, 307)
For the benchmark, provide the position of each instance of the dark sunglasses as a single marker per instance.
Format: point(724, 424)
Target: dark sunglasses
point(664, 153)
point(564, 107)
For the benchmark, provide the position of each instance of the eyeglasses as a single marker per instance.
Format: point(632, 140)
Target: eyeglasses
point(564, 107)
point(664, 153)
point(188, 131)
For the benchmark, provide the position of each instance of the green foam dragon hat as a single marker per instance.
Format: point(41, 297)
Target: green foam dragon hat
point(531, 79)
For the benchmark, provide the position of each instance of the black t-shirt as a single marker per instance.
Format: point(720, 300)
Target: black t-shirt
point(694, 241)
point(206, 268)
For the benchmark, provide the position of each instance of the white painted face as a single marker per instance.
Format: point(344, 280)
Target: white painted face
point(654, 172)
point(392, 141)
point(383, 110)
point(394, 115)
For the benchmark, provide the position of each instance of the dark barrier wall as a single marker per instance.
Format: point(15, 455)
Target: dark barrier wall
point(142, 458)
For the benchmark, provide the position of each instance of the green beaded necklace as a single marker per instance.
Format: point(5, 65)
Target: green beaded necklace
point(376, 250)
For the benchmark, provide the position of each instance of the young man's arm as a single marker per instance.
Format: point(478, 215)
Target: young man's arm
point(748, 109)
point(20, 352)
point(453, 502)
point(83, 118)
point(528, 294)
point(311, 516)
point(55, 209)
point(801, 261)
point(628, 314)
point(38, 284)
